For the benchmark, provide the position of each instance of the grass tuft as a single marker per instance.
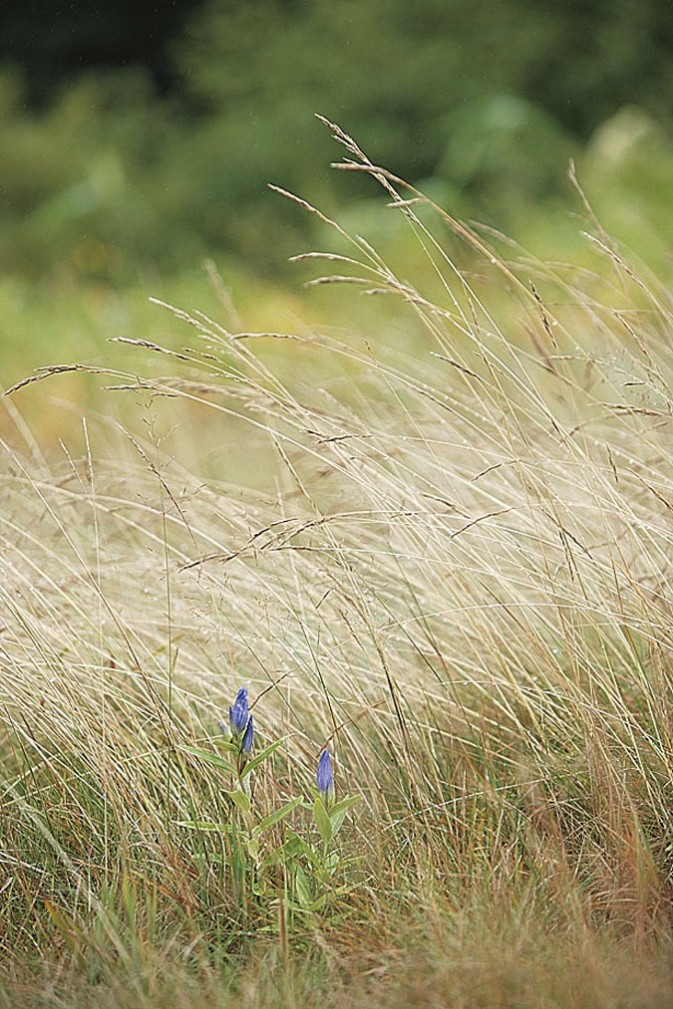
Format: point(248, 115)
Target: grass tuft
point(451, 566)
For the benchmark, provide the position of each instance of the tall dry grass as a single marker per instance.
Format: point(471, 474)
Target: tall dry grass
point(454, 567)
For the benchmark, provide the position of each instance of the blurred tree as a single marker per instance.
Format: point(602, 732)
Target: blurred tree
point(579, 59)
point(51, 42)
point(387, 69)
point(602, 57)
point(487, 96)
point(483, 101)
point(396, 75)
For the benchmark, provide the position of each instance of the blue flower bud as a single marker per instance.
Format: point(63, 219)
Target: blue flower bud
point(325, 775)
point(248, 737)
point(238, 712)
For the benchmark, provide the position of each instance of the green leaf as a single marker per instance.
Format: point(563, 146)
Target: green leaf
point(256, 761)
point(211, 758)
point(276, 816)
point(332, 861)
point(322, 821)
point(296, 845)
point(345, 803)
point(338, 812)
point(296, 908)
point(302, 887)
point(253, 847)
point(202, 825)
point(240, 799)
point(310, 908)
point(226, 744)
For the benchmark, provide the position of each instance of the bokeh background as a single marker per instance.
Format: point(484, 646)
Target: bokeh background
point(138, 139)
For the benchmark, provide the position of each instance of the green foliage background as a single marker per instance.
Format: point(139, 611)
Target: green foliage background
point(135, 137)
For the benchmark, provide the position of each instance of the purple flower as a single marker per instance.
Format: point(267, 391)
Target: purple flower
point(325, 775)
point(248, 737)
point(239, 712)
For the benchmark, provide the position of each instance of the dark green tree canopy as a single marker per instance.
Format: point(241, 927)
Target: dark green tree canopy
point(157, 125)
point(578, 60)
point(51, 41)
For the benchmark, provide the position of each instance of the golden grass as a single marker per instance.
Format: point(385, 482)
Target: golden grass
point(454, 565)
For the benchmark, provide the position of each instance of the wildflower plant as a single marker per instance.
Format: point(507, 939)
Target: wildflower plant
point(325, 774)
point(248, 738)
point(239, 712)
point(241, 728)
point(270, 859)
point(317, 869)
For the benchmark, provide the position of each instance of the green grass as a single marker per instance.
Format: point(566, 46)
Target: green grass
point(451, 561)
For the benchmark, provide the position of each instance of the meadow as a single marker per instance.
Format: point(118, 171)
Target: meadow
point(435, 545)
